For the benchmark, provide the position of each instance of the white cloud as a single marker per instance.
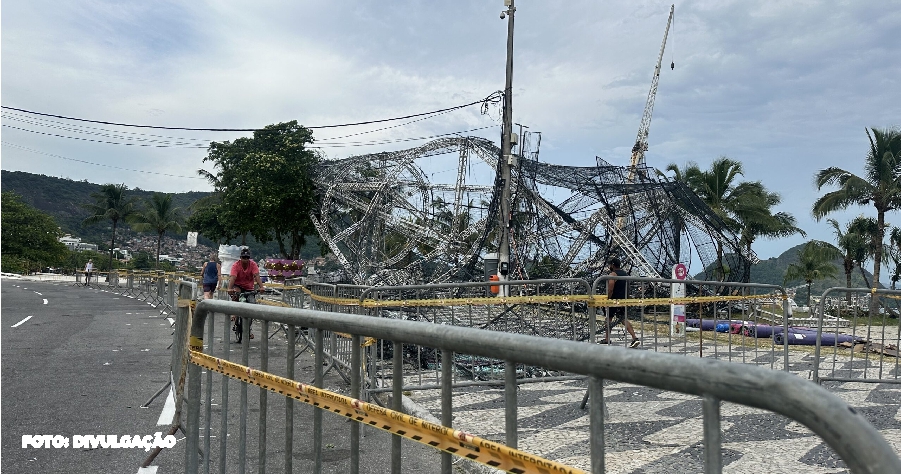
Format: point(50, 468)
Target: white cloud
point(785, 87)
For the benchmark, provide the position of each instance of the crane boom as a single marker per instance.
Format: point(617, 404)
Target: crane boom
point(641, 141)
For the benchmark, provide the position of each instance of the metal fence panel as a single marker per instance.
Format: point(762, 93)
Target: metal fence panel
point(869, 352)
point(845, 431)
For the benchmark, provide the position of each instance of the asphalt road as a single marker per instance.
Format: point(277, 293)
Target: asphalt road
point(86, 359)
point(82, 364)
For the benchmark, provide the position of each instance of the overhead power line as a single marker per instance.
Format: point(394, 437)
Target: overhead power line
point(165, 144)
point(78, 128)
point(396, 140)
point(152, 145)
point(31, 150)
point(491, 98)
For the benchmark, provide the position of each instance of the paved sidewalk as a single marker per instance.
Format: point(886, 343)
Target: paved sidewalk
point(655, 431)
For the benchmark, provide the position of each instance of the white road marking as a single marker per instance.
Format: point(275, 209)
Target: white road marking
point(22, 321)
point(39, 294)
point(168, 413)
point(147, 470)
point(45, 300)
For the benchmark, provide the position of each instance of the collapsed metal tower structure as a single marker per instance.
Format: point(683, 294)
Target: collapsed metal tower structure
point(389, 225)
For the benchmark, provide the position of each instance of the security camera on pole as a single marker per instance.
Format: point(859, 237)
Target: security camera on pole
point(507, 158)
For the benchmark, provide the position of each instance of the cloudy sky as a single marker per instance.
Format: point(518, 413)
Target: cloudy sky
point(784, 87)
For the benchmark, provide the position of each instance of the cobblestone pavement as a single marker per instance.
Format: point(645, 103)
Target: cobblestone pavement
point(655, 431)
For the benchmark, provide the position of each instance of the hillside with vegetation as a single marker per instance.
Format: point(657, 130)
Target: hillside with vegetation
point(772, 270)
point(63, 199)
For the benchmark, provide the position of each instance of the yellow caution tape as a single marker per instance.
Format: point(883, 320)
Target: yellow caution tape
point(667, 301)
point(281, 304)
point(195, 343)
point(367, 342)
point(456, 442)
point(331, 300)
point(478, 301)
point(596, 301)
point(183, 303)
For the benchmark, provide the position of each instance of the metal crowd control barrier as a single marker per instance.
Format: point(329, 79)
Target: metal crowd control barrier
point(746, 327)
point(847, 432)
point(546, 308)
point(869, 354)
point(155, 287)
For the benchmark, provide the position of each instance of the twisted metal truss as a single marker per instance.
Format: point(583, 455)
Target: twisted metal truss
point(388, 225)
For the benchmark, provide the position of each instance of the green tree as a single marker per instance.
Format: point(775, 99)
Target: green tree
point(160, 216)
point(141, 261)
point(754, 214)
point(815, 263)
point(205, 219)
point(894, 252)
point(880, 186)
point(266, 186)
point(77, 260)
point(866, 231)
point(852, 248)
point(111, 204)
point(30, 237)
point(744, 207)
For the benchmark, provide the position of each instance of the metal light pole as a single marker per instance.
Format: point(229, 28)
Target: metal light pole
point(507, 156)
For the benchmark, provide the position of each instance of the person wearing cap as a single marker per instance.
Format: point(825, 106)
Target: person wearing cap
point(244, 274)
point(616, 290)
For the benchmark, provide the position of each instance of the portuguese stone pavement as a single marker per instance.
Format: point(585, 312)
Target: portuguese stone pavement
point(654, 431)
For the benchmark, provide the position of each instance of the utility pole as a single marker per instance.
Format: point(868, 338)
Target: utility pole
point(507, 158)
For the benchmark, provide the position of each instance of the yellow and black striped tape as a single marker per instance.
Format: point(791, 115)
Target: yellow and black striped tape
point(456, 442)
point(281, 304)
point(478, 301)
point(598, 301)
point(368, 341)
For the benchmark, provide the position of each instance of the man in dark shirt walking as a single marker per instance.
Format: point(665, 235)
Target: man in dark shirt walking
point(616, 290)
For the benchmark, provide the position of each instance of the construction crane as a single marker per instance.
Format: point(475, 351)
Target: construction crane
point(641, 141)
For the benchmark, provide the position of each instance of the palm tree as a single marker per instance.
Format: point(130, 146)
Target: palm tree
point(111, 204)
point(880, 186)
point(814, 263)
point(755, 214)
point(865, 228)
point(852, 248)
point(159, 217)
point(717, 187)
point(894, 251)
point(730, 200)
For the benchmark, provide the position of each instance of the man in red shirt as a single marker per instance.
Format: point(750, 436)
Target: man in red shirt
point(244, 274)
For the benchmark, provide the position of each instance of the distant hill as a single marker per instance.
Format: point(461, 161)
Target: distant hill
point(63, 198)
point(771, 271)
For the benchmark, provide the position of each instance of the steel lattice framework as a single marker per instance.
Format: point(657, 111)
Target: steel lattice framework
point(389, 225)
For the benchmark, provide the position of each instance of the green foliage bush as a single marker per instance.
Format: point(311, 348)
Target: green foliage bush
point(30, 237)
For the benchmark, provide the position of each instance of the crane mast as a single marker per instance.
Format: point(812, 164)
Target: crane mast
point(641, 141)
